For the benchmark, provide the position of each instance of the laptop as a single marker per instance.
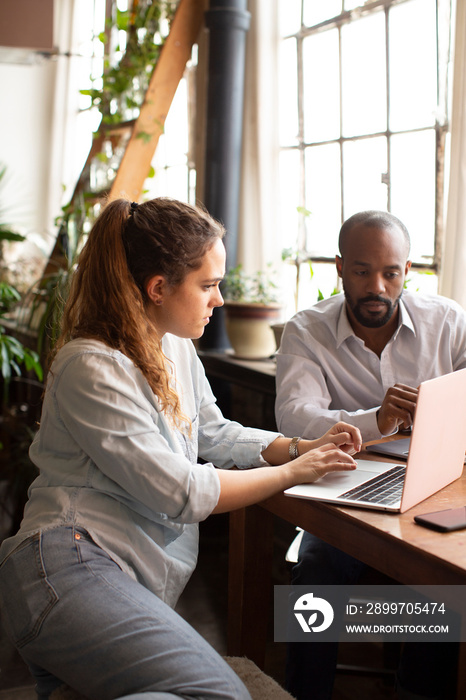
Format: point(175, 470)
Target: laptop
point(435, 459)
point(399, 449)
point(393, 448)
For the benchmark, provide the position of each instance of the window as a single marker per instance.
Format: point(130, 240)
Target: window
point(364, 125)
point(173, 161)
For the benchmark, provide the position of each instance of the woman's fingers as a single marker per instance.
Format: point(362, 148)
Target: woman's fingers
point(344, 433)
point(327, 458)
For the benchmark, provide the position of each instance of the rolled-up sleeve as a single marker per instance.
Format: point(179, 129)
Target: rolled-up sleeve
point(228, 443)
point(224, 442)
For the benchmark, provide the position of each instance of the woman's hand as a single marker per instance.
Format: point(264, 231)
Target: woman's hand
point(343, 435)
point(317, 462)
point(244, 487)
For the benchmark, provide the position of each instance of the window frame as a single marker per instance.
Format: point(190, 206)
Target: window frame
point(440, 128)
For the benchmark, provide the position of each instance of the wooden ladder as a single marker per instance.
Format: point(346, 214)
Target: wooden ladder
point(142, 134)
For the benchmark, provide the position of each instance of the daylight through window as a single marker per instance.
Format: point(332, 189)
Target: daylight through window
point(364, 125)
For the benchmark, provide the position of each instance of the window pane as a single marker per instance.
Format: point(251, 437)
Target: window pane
point(315, 12)
point(322, 165)
point(364, 163)
point(171, 182)
point(420, 281)
point(176, 126)
point(289, 16)
point(321, 87)
point(413, 65)
point(289, 197)
point(364, 80)
point(170, 161)
point(322, 284)
point(413, 189)
point(351, 4)
point(288, 114)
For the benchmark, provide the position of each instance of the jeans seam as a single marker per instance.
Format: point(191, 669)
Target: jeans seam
point(53, 596)
point(101, 576)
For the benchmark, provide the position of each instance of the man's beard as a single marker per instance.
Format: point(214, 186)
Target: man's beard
point(366, 320)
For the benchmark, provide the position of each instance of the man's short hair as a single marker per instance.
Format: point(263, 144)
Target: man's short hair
point(377, 219)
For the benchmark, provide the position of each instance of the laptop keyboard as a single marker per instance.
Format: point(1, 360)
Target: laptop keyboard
point(385, 489)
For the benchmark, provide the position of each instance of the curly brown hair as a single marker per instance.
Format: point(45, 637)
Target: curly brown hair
point(127, 246)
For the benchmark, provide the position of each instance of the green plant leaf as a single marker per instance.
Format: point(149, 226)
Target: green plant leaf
point(303, 211)
point(32, 363)
point(7, 235)
point(260, 288)
point(144, 135)
point(122, 20)
point(6, 368)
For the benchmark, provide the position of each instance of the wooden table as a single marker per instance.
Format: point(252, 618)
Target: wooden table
point(392, 543)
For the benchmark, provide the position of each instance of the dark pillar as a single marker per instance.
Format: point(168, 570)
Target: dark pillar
point(227, 22)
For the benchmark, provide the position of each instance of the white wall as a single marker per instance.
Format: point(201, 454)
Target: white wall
point(44, 140)
point(26, 144)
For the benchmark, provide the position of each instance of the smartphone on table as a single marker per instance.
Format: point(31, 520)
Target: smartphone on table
point(444, 520)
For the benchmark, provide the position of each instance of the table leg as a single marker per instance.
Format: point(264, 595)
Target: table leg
point(461, 686)
point(249, 582)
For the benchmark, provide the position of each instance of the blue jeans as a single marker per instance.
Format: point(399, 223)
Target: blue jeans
point(77, 618)
point(426, 669)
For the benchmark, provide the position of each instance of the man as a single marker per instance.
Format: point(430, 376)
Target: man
point(359, 357)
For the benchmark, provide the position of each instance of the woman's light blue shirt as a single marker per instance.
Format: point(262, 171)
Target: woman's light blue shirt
point(110, 461)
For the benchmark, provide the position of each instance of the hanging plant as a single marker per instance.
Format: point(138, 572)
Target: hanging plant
point(125, 80)
point(118, 96)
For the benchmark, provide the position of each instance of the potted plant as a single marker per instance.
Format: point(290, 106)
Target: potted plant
point(20, 399)
point(251, 306)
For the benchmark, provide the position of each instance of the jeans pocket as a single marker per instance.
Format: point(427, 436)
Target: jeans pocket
point(26, 594)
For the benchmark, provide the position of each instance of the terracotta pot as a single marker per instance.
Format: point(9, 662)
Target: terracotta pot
point(249, 328)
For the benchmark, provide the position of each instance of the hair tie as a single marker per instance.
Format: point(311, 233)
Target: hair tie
point(134, 206)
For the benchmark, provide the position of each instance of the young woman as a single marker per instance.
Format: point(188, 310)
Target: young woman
point(109, 536)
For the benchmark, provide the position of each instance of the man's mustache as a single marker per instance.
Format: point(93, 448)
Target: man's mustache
point(375, 298)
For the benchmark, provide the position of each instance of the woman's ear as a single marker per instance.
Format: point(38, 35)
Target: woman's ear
point(155, 289)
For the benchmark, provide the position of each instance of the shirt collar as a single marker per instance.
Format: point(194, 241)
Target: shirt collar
point(344, 329)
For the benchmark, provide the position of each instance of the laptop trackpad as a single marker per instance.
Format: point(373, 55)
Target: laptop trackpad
point(333, 484)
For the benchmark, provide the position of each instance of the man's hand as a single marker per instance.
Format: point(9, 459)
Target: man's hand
point(397, 409)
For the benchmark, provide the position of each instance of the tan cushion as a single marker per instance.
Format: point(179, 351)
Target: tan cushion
point(260, 686)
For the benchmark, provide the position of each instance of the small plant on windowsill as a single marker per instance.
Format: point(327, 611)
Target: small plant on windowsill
point(299, 256)
point(251, 306)
point(259, 288)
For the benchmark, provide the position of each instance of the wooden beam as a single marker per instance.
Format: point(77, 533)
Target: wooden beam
point(176, 52)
